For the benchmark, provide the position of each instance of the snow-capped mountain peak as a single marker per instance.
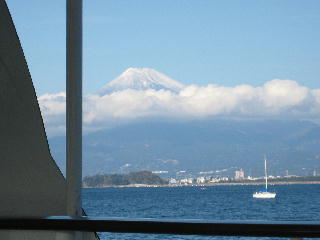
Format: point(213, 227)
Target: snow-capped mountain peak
point(141, 79)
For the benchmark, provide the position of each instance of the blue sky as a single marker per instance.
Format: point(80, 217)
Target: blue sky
point(227, 42)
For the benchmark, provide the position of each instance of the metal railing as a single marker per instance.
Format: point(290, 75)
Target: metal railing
point(289, 229)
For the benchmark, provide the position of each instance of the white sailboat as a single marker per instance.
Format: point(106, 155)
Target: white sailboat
point(264, 193)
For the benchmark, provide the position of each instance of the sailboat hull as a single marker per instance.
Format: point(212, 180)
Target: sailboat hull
point(264, 195)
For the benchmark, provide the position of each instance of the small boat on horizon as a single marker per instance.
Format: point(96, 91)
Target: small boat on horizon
point(264, 193)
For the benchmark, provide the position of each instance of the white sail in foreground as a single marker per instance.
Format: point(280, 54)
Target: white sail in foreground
point(264, 193)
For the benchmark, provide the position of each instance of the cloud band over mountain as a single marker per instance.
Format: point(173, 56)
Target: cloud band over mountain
point(276, 99)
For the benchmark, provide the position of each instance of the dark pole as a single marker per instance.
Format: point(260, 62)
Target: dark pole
point(74, 107)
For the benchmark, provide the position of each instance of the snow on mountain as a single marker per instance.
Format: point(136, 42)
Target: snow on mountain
point(141, 79)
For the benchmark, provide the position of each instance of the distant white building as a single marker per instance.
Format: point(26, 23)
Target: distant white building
point(173, 181)
point(239, 175)
point(223, 179)
point(208, 178)
point(186, 181)
point(214, 180)
point(201, 180)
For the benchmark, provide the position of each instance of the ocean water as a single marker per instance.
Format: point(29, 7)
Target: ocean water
point(293, 202)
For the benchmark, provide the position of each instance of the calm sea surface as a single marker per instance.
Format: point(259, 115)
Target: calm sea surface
point(293, 202)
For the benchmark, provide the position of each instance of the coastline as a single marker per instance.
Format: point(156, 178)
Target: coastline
point(207, 185)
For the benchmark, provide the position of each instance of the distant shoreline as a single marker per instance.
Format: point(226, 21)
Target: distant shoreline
point(207, 185)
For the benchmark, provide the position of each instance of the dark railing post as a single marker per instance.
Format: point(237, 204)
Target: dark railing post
point(74, 111)
point(74, 107)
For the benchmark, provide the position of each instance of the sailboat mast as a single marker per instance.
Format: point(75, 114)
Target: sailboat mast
point(265, 171)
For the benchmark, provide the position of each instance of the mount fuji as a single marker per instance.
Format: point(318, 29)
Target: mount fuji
point(141, 79)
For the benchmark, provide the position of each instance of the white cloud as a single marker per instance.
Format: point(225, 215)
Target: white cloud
point(275, 99)
point(279, 94)
point(53, 104)
point(53, 108)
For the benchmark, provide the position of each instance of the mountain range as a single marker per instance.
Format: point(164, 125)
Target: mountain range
point(206, 145)
point(200, 146)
